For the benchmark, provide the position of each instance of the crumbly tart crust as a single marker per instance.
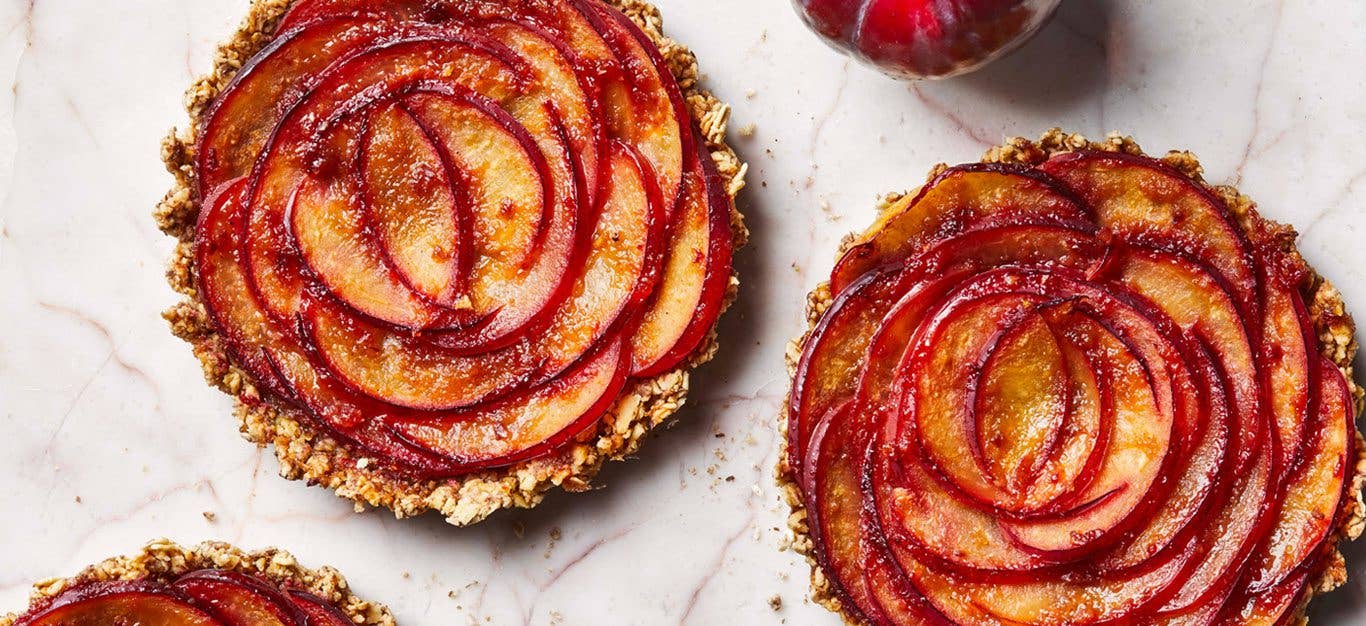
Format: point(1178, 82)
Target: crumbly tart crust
point(307, 453)
point(163, 559)
point(1334, 326)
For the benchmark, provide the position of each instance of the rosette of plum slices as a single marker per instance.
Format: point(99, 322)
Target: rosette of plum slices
point(451, 254)
point(1073, 384)
point(212, 584)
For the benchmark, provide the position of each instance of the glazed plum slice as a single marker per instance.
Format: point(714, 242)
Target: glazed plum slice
point(1307, 511)
point(460, 229)
point(1147, 203)
point(523, 427)
point(420, 218)
point(100, 604)
point(223, 283)
point(642, 103)
point(1079, 393)
point(327, 224)
point(243, 119)
point(238, 599)
point(958, 199)
point(695, 275)
point(318, 612)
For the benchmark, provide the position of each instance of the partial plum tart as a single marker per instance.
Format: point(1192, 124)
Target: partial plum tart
point(452, 253)
point(1073, 384)
point(212, 584)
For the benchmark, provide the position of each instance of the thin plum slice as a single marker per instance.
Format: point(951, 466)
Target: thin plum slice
point(242, 119)
point(407, 371)
point(528, 222)
point(1147, 203)
point(102, 604)
point(642, 103)
point(956, 200)
point(1310, 501)
point(239, 600)
point(1022, 396)
point(834, 502)
point(223, 284)
point(1287, 340)
point(695, 276)
point(412, 202)
point(523, 427)
point(317, 611)
point(833, 352)
point(327, 221)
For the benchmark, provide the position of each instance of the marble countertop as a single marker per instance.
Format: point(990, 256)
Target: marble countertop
point(109, 437)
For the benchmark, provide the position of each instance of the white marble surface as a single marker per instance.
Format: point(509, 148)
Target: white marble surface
point(108, 436)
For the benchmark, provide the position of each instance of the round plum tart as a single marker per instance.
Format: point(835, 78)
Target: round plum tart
point(449, 254)
point(212, 584)
point(1073, 384)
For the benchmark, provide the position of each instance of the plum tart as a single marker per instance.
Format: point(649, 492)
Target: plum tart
point(1073, 384)
point(449, 254)
point(212, 584)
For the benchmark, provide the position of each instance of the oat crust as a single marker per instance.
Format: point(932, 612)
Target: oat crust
point(163, 559)
point(307, 453)
point(1332, 323)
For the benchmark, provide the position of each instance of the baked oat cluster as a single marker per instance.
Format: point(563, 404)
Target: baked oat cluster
point(1074, 385)
point(450, 254)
